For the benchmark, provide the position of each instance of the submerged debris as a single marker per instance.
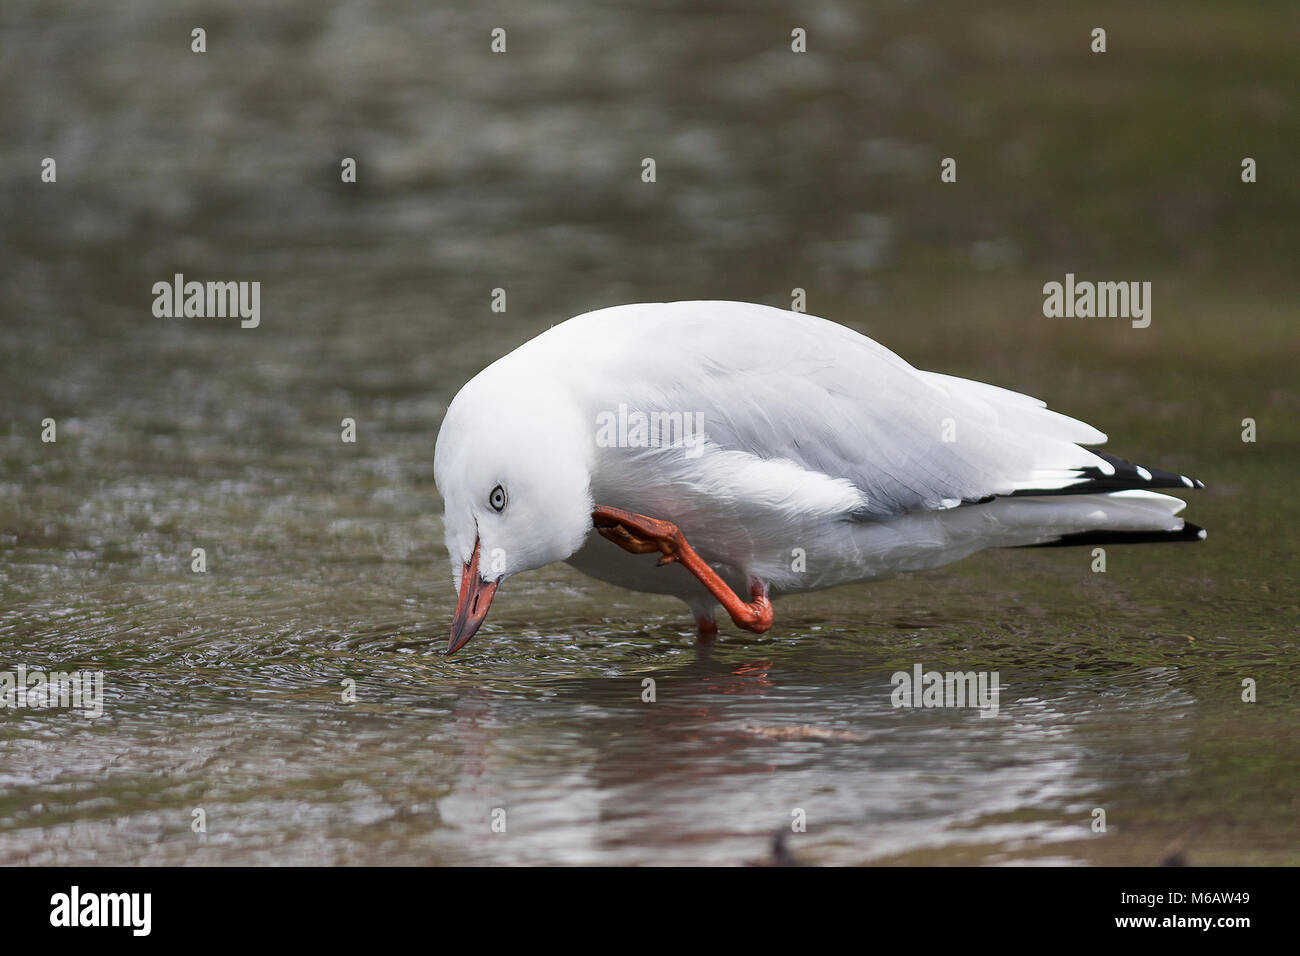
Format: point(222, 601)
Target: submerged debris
point(780, 854)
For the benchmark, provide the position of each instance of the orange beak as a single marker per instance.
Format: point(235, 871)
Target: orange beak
point(472, 605)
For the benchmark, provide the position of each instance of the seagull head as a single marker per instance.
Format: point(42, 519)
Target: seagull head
point(512, 466)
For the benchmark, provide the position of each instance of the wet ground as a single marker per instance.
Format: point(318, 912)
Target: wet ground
point(1122, 690)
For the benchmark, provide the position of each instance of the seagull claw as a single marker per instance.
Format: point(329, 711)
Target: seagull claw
point(626, 540)
point(641, 535)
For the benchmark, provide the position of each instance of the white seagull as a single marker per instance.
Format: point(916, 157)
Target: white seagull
point(758, 452)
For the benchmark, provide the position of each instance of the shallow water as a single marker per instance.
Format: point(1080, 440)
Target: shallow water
point(1121, 691)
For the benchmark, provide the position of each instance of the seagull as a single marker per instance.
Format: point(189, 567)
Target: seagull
point(727, 453)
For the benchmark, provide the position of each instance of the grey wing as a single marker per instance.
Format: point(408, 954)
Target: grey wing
point(789, 387)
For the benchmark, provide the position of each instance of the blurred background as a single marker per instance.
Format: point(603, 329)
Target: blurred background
point(522, 171)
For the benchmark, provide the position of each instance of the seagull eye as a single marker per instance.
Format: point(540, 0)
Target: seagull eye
point(498, 498)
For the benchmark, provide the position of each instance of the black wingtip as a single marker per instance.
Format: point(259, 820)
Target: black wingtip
point(1123, 475)
point(1188, 532)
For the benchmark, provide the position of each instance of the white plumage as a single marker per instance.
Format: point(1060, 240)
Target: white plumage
point(818, 441)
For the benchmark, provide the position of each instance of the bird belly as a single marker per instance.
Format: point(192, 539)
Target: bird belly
point(606, 561)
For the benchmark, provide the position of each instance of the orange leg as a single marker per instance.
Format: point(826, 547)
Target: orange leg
point(642, 535)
